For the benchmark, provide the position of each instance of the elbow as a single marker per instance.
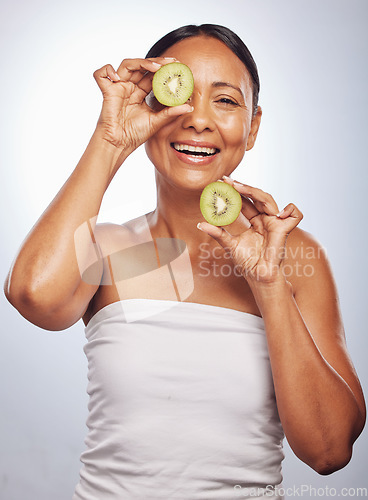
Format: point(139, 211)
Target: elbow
point(325, 455)
point(29, 292)
point(33, 304)
point(24, 300)
point(52, 309)
point(41, 312)
point(13, 293)
point(22, 296)
point(328, 463)
point(338, 455)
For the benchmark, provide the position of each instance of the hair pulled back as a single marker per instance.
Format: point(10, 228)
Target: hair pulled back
point(225, 35)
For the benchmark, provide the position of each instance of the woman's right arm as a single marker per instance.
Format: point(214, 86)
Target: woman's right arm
point(44, 283)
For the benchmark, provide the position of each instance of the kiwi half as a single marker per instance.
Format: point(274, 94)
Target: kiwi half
point(220, 203)
point(173, 84)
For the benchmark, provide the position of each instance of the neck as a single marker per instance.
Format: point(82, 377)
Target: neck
point(177, 215)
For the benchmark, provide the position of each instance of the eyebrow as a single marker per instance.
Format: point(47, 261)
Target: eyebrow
point(226, 84)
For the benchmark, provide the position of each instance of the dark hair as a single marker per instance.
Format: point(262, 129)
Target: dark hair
point(223, 34)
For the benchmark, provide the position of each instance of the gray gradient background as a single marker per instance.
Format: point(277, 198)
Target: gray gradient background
point(312, 59)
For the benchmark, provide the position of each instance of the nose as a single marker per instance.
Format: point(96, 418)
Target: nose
point(200, 119)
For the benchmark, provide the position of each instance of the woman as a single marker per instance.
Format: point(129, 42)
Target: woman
point(195, 372)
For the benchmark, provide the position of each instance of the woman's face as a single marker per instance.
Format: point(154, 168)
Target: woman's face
point(221, 123)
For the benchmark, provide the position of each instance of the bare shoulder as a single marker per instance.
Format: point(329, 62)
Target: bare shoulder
point(119, 254)
point(303, 245)
point(112, 238)
point(306, 264)
point(307, 268)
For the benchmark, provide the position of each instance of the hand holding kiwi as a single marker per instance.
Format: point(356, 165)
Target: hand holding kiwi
point(126, 121)
point(258, 250)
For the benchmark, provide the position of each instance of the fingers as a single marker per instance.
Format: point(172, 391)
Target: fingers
point(290, 211)
point(133, 70)
point(262, 201)
point(257, 202)
point(248, 208)
point(291, 216)
point(105, 75)
point(160, 118)
point(142, 88)
point(137, 71)
point(219, 234)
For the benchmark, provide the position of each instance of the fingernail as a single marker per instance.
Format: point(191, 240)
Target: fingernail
point(117, 76)
point(226, 178)
point(188, 108)
point(199, 226)
point(238, 185)
point(280, 213)
point(156, 64)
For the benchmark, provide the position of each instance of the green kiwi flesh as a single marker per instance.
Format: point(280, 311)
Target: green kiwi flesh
point(220, 203)
point(173, 84)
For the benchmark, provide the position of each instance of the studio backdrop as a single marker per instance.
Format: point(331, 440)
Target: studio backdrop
point(311, 150)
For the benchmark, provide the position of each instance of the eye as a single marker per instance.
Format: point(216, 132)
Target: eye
point(227, 100)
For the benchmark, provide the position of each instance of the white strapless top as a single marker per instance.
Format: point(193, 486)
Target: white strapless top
point(182, 404)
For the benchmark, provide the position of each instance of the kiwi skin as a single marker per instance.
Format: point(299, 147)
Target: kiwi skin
point(166, 75)
point(220, 203)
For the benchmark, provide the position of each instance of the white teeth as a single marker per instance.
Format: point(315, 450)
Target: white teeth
point(194, 149)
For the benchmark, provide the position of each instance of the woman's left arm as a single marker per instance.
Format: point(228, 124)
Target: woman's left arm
point(319, 397)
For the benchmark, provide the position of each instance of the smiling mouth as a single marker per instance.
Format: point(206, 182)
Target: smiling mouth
point(194, 150)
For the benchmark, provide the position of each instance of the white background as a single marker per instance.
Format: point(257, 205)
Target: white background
point(311, 149)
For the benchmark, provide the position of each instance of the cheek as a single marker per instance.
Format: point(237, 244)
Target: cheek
point(235, 131)
point(147, 147)
point(155, 149)
point(157, 145)
point(152, 152)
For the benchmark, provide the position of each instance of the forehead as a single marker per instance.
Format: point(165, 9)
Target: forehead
point(211, 60)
